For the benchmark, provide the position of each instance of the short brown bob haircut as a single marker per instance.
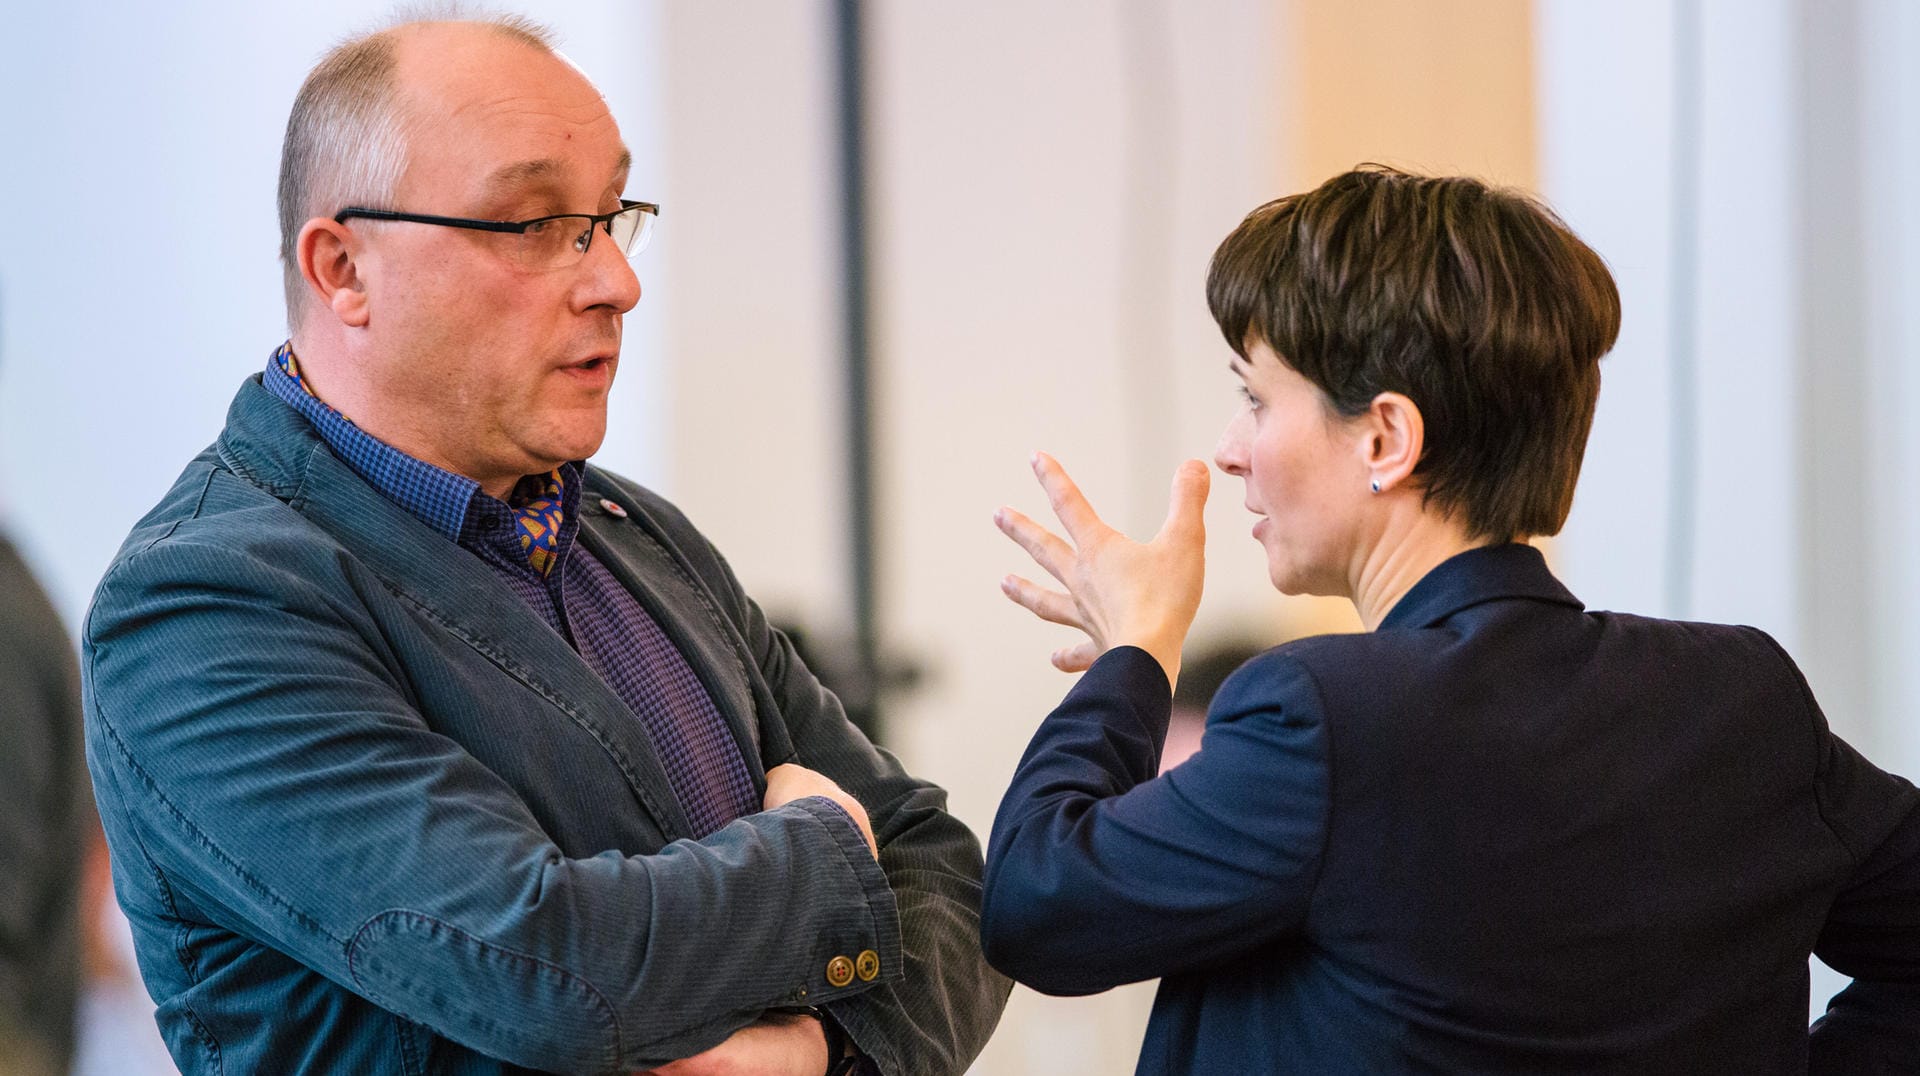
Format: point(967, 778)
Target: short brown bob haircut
point(1477, 303)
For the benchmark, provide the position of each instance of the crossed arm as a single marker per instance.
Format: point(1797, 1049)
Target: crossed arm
point(937, 1014)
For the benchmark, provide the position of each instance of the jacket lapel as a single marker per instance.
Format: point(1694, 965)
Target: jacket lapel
point(447, 584)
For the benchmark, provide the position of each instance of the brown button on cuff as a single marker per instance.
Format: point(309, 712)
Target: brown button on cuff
point(867, 965)
point(839, 971)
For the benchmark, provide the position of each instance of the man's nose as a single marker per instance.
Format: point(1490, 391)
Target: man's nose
point(611, 279)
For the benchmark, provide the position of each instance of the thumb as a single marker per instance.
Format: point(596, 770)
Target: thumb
point(1185, 517)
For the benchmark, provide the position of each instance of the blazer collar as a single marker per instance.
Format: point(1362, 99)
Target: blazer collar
point(1490, 573)
point(267, 442)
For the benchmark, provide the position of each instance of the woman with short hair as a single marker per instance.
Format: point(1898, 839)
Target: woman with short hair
point(1495, 832)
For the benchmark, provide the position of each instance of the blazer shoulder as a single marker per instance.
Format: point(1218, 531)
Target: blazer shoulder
point(213, 528)
point(1282, 681)
point(1737, 639)
point(1329, 660)
point(1331, 670)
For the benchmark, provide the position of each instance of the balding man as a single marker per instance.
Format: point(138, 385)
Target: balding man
point(421, 745)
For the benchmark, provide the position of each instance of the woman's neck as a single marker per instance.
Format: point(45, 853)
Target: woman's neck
point(1412, 543)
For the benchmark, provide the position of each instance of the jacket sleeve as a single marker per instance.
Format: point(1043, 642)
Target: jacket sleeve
point(1100, 873)
point(1872, 932)
point(934, 1017)
point(278, 779)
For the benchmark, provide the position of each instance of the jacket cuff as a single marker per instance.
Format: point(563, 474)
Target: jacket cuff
point(858, 947)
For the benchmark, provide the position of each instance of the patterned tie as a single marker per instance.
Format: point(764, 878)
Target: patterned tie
point(538, 512)
point(537, 518)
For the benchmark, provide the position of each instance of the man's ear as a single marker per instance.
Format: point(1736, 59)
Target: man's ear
point(1394, 436)
point(329, 252)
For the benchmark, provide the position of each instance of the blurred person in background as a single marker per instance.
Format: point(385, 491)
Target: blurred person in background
point(1496, 832)
point(65, 957)
point(1200, 676)
point(47, 828)
point(423, 746)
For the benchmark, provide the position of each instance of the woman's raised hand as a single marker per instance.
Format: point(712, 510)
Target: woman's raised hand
point(1120, 592)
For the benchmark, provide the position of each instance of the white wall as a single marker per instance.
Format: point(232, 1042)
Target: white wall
point(1889, 38)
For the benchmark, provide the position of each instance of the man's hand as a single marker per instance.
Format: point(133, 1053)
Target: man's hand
point(788, 782)
point(1120, 592)
point(778, 1044)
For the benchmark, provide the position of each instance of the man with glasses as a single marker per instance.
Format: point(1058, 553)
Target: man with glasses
point(421, 745)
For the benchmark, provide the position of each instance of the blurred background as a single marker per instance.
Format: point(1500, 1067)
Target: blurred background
point(839, 381)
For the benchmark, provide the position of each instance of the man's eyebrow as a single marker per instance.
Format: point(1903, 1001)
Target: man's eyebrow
point(519, 175)
point(523, 172)
point(544, 170)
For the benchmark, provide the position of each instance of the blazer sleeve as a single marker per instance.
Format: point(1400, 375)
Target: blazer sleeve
point(1100, 873)
point(1872, 932)
point(936, 1001)
point(266, 766)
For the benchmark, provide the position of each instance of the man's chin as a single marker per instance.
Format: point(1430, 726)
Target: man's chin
point(577, 435)
point(577, 453)
point(545, 457)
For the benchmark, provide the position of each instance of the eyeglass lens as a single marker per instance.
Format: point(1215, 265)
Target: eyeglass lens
point(565, 240)
point(631, 230)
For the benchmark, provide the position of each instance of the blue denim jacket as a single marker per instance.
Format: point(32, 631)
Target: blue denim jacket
point(369, 813)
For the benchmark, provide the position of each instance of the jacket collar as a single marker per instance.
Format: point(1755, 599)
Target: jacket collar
point(266, 442)
point(1490, 573)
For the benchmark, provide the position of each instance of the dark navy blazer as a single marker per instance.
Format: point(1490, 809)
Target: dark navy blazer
point(1499, 834)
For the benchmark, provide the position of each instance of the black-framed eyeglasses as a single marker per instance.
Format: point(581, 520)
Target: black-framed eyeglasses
point(553, 242)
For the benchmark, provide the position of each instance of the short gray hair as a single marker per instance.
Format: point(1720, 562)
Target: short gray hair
point(346, 142)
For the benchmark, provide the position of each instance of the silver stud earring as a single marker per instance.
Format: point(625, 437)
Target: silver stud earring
point(1376, 485)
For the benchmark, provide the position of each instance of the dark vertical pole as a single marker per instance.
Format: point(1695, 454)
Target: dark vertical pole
point(862, 694)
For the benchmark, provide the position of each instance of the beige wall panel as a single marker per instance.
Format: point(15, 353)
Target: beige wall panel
point(1430, 85)
point(744, 275)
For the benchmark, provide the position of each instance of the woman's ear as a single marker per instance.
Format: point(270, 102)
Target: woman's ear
point(329, 253)
point(1395, 435)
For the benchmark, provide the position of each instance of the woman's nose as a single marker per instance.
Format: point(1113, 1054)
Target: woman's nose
point(1230, 452)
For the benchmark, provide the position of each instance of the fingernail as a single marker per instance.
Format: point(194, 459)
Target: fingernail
point(1000, 515)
